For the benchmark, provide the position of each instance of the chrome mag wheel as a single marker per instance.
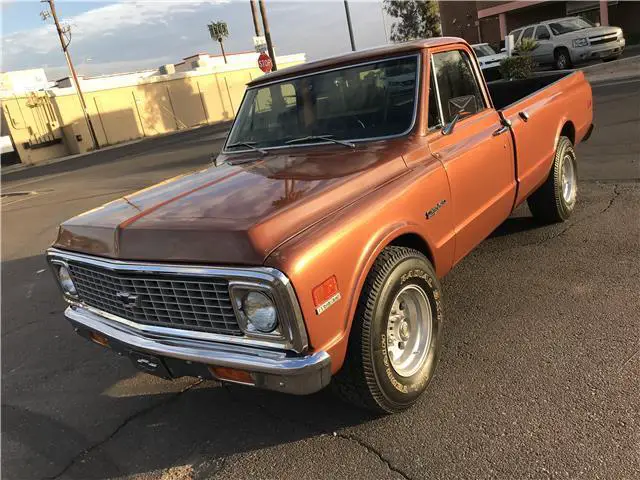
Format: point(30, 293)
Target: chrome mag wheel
point(409, 330)
point(569, 180)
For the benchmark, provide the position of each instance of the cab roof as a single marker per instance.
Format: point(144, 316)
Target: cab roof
point(353, 57)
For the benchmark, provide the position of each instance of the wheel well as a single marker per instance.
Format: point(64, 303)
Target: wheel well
point(557, 49)
point(415, 241)
point(569, 131)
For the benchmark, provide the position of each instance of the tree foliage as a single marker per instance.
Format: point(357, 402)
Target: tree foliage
point(415, 19)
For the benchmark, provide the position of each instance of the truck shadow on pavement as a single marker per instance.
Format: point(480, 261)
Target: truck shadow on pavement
point(72, 409)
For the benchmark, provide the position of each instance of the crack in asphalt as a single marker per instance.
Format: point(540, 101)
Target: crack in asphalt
point(315, 429)
point(372, 450)
point(616, 194)
point(123, 424)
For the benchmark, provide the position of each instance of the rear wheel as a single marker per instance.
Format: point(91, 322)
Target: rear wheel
point(555, 199)
point(395, 338)
point(562, 59)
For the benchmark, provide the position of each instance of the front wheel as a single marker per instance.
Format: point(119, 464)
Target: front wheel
point(562, 59)
point(395, 338)
point(555, 199)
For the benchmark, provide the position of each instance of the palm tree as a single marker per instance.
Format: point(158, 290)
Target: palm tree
point(219, 31)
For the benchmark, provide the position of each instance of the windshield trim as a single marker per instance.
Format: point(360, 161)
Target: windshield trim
point(414, 117)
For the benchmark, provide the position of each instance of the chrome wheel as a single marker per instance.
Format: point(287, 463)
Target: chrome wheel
point(562, 62)
point(409, 330)
point(569, 182)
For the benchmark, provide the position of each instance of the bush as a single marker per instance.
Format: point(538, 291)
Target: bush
point(517, 68)
point(521, 65)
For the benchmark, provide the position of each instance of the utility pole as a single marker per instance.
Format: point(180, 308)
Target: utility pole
point(254, 14)
point(64, 42)
point(346, 9)
point(267, 35)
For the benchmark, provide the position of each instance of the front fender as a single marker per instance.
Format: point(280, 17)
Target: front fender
point(347, 244)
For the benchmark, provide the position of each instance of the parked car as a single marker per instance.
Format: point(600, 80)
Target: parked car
point(311, 252)
point(564, 42)
point(489, 60)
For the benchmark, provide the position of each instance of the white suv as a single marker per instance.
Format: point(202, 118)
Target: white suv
point(566, 41)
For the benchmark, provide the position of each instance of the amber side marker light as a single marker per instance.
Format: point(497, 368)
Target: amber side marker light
point(99, 339)
point(231, 374)
point(325, 294)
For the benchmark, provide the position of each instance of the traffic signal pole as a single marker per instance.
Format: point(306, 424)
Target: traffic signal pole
point(267, 35)
point(346, 9)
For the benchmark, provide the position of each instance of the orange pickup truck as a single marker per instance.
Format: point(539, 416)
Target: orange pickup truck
point(310, 252)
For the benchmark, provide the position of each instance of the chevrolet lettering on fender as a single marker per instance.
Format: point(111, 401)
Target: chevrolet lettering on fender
point(310, 253)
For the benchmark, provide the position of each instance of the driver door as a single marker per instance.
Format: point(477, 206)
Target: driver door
point(476, 152)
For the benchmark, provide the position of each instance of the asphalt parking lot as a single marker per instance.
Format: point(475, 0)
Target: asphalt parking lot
point(539, 377)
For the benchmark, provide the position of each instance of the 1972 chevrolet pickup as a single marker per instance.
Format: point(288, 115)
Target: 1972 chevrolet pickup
point(310, 252)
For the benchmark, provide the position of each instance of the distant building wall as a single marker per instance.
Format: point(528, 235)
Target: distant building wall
point(498, 18)
point(50, 124)
point(460, 19)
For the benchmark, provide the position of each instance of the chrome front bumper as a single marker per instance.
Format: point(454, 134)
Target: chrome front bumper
point(269, 369)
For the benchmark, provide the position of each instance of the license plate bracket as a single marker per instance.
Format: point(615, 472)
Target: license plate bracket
point(149, 364)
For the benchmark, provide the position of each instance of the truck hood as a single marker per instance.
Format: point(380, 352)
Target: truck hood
point(593, 32)
point(235, 213)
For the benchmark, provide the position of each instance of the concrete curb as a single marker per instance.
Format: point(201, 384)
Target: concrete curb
point(621, 63)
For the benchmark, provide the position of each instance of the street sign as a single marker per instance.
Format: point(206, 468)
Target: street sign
point(265, 63)
point(260, 44)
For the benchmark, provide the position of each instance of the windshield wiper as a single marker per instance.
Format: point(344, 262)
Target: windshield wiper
point(321, 137)
point(250, 145)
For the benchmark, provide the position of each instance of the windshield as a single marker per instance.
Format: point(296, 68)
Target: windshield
point(483, 50)
point(569, 25)
point(360, 102)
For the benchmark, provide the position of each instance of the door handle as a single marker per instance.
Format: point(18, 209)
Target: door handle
point(501, 130)
point(524, 115)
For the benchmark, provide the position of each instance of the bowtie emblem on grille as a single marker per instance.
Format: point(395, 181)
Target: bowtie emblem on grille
point(128, 300)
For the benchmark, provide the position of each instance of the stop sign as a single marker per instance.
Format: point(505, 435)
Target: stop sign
point(265, 63)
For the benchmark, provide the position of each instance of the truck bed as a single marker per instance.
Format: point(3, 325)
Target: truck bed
point(507, 92)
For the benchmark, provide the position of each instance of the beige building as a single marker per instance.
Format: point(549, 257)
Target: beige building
point(199, 91)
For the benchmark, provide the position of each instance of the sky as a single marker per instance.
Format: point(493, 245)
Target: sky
point(125, 36)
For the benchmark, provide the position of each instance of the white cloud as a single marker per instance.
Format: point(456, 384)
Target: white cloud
point(128, 36)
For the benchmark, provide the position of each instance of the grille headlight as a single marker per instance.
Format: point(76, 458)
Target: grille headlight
point(580, 42)
point(260, 312)
point(64, 277)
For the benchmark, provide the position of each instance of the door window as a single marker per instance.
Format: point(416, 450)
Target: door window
point(542, 33)
point(528, 33)
point(457, 85)
point(516, 34)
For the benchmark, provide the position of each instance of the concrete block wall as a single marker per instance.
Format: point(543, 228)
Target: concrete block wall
point(50, 123)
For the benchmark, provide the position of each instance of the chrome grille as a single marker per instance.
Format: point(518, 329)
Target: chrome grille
point(186, 302)
point(603, 39)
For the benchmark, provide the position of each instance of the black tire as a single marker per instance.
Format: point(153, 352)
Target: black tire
point(547, 203)
point(367, 378)
point(562, 59)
